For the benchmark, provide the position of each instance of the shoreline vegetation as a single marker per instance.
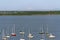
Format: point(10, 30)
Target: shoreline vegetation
point(29, 13)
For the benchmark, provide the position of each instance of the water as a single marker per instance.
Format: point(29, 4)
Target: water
point(30, 22)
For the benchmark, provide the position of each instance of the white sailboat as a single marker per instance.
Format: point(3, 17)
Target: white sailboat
point(41, 39)
point(13, 31)
point(3, 35)
point(47, 33)
point(42, 33)
point(22, 39)
point(22, 34)
point(7, 33)
point(30, 36)
point(51, 36)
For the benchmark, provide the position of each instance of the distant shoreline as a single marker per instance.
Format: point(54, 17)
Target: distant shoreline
point(31, 15)
point(27, 13)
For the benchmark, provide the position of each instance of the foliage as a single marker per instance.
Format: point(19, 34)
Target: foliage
point(29, 12)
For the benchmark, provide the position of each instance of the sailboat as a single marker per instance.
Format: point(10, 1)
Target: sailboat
point(7, 32)
point(22, 39)
point(22, 33)
point(51, 36)
point(47, 33)
point(42, 33)
point(13, 31)
point(30, 36)
point(3, 35)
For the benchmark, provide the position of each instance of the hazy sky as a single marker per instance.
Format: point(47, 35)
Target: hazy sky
point(29, 5)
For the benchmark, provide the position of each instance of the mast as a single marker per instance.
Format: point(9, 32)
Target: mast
point(30, 36)
point(22, 34)
point(7, 33)
point(42, 33)
point(47, 33)
point(13, 31)
point(3, 35)
point(14, 28)
point(42, 30)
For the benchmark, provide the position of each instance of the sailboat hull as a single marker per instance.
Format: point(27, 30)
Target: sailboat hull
point(13, 34)
point(22, 39)
point(8, 36)
point(3, 38)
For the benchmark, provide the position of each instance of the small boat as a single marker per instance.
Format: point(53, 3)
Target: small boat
point(47, 30)
point(42, 31)
point(22, 34)
point(22, 39)
point(47, 33)
point(3, 35)
point(13, 31)
point(41, 39)
point(30, 36)
point(13, 34)
point(7, 32)
point(51, 35)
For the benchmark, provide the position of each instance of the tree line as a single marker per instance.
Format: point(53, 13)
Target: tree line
point(29, 12)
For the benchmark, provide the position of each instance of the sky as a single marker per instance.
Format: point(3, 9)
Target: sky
point(28, 5)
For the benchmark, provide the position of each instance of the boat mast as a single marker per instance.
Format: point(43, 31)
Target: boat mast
point(14, 28)
point(47, 33)
point(3, 35)
point(30, 36)
point(7, 33)
point(42, 33)
point(13, 31)
point(22, 33)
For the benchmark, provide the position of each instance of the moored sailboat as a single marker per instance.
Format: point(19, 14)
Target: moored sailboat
point(13, 31)
point(30, 36)
point(51, 35)
point(42, 33)
point(22, 34)
point(7, 33)
point(3, 35)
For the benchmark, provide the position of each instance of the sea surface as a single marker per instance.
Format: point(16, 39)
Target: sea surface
point(32, 24)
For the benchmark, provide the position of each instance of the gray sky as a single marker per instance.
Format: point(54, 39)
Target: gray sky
point(29, 5)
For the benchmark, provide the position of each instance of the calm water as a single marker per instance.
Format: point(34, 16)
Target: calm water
point(30, 22)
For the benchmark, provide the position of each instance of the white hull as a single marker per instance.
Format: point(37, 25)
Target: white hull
point(22, 39)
